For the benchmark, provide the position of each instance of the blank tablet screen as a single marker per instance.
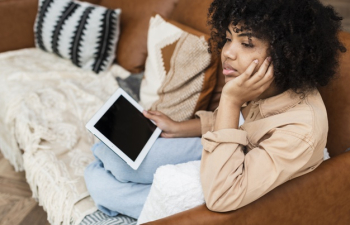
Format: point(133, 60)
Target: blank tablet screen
point(126, 127)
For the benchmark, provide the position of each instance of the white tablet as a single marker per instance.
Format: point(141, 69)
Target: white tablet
point(121, 125)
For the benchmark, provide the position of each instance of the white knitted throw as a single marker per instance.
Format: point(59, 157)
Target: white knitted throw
point(175, 188)
point(45, 104)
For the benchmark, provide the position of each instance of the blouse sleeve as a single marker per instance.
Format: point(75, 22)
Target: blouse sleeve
point(231, 179)
point(207, 120)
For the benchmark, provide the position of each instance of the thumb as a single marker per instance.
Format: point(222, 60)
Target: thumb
point(154, 112)
point(149, 115)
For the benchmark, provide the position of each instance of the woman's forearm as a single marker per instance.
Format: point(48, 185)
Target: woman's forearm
point(228, 115)
point(190, 128)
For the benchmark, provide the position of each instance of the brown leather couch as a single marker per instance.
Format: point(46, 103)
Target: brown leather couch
point(320, 197)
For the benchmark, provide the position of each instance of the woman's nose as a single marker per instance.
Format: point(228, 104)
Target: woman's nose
point(230, 51)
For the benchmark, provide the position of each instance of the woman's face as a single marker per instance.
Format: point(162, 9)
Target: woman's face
point(240, 50)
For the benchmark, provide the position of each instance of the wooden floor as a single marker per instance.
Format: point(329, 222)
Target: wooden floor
point(16, 204)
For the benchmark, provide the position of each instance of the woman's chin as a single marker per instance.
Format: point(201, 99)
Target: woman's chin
point(227, 79)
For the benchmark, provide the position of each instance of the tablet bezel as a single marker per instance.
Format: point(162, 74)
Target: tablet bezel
point(91, 127)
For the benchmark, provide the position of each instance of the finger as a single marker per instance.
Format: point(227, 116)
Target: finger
point(268, 76)
point(149, 115)
point(166, 135)
point(155, 112)
point(249, 71)
point(267, 80)
point(266, 64)
point(260, 74)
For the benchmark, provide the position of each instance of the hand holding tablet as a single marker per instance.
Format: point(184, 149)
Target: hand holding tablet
point(121, 126)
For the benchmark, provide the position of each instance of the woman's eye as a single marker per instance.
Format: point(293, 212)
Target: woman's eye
point(249, 45)
point(228, 39)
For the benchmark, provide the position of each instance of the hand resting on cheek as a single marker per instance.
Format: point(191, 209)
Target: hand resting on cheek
point(249, 85)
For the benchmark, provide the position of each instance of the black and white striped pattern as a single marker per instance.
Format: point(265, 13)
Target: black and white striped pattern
point(99, 218)
point(84, 33)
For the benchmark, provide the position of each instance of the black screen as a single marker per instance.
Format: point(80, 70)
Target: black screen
point(126, 127)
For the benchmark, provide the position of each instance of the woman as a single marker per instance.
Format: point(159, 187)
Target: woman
point(274, 53)
point(286, 124)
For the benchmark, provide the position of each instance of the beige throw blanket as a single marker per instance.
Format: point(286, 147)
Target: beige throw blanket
point(45, 104)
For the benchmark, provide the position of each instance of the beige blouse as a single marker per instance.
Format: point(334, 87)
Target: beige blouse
point(283, 137)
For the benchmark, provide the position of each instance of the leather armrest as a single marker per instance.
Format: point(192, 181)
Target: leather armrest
point(320, 197)
point(17, 20)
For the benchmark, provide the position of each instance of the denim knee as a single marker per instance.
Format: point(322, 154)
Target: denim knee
point(91, 177)
point(112, 196)
point(96, 187)
point(112, 163)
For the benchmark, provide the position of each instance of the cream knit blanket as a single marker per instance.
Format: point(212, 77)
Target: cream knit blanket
point(45, 104)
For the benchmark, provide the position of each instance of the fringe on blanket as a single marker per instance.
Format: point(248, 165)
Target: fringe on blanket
point(47, 186)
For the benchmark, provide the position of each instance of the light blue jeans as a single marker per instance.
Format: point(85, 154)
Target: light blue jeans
point(117, 188)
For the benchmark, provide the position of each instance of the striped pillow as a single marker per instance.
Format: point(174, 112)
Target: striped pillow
point(84, 33)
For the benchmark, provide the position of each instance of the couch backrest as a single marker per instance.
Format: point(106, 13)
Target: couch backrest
point(336, 97)
point(17, 22)
point(132, 44)
point(192, 13)
point(17, 17)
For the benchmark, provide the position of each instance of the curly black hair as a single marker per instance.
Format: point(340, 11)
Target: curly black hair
point(303, 37)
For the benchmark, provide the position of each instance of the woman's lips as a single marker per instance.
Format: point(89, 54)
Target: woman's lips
point(230, 72)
